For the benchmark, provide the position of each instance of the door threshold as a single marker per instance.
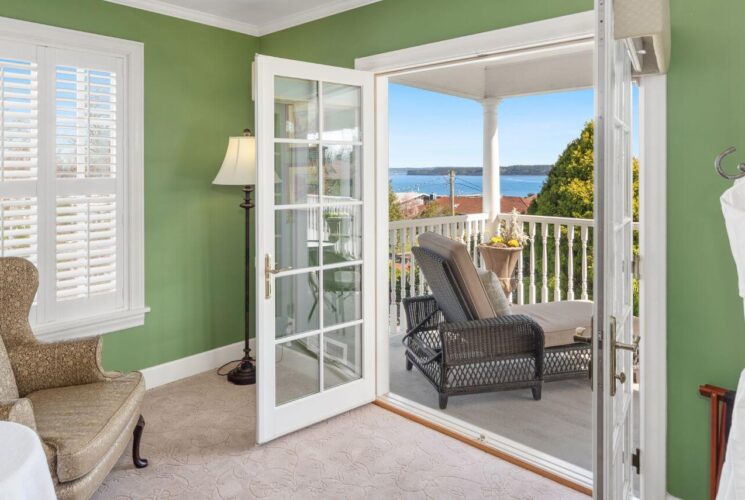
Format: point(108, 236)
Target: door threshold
point(528, 458)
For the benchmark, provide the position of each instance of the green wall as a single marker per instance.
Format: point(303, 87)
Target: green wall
point(706, 104)
point(197, 82)
point(197, 93)
point(706, 333)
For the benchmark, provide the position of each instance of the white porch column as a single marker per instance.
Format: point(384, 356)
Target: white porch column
point(491, 190)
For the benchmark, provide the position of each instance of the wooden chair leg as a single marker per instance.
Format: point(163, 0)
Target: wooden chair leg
point(136, 458)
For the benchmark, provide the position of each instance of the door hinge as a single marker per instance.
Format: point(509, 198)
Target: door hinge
point(636, 460)
point(636, 266)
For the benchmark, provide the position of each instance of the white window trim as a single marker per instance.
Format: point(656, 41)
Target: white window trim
point(133, 312)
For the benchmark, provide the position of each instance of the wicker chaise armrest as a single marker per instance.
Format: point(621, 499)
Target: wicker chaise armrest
point(59, 364)
point(489, 339)
point(20, 411)
point(422, 312)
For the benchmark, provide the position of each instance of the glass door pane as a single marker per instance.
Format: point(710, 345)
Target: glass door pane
point(315, 334)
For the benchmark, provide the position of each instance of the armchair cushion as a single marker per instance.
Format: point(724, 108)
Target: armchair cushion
point(20, 411)
point(83, 422)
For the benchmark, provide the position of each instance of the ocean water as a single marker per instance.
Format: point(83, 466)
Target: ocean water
point(512, 185)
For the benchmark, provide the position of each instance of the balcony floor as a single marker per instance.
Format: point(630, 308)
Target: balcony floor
point(560, 424)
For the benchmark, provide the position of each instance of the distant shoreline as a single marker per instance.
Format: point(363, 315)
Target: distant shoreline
point(474, 171)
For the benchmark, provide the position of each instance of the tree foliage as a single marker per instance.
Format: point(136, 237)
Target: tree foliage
point(568, 190)
point(433, 209)
point(394, 207)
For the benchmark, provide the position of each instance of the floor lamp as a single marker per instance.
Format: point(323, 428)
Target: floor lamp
point(239, 169)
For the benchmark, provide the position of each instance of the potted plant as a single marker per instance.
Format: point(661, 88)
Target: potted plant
point(502, 252)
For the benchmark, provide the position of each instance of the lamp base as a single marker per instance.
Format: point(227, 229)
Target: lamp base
point(244, 373)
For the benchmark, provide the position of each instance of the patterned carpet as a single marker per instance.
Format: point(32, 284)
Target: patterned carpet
point(199, 439)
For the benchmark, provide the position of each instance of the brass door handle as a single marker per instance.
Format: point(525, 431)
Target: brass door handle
point(614, 344)
point(269, 271)
point(633, 347)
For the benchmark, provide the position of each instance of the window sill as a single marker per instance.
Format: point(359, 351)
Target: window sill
point(90, 326)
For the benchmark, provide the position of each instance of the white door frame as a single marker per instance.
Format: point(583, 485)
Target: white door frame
point(277, 420)
point(653, 215)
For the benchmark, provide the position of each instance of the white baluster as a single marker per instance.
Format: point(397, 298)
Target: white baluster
point(469, 243)
point(531, 232)
point(392, 306)
point(544, 263)
point(520, 287)
point(583, 236)
point(570, 262)
point(557, 262)
point(402, 274)
point(410, 274)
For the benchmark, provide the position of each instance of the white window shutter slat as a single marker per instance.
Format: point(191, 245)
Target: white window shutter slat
point(18, 119)
point(86, 246)
point(18, 228)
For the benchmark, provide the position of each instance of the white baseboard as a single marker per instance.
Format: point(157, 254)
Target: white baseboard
point(192, 365)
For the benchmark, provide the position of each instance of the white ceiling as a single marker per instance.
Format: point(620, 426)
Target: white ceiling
point(531, 72)
point(253, 17)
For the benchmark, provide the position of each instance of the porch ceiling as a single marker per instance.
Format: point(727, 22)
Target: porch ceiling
point(563, 67)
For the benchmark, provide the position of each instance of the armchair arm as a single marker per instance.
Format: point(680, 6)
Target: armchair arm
point(47, 365)
point(490, 339)
point(19, 411)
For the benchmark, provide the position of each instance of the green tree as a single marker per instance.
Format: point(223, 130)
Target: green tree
point(394, 207)
point(432, 209)
point(568, 192)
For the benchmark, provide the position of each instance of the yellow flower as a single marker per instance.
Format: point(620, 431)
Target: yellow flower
point(497, 239)
point(513, 243)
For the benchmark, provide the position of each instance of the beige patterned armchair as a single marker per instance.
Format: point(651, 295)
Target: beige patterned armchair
point(83, 415)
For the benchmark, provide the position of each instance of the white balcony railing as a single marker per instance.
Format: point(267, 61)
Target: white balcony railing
point(555, 265)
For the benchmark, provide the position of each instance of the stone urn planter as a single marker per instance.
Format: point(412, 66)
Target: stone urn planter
point(502, 261)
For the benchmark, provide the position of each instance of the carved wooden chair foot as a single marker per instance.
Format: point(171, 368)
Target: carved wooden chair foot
point(139, 462)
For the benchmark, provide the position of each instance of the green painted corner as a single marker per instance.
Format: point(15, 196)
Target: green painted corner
point(197, 93)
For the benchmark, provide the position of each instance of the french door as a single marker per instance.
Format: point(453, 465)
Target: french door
point(614, 342)
point(315, 230)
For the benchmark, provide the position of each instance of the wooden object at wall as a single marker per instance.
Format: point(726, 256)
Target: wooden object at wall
point(721, 402)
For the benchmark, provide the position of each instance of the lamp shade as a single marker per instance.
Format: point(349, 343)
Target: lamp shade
point(239, 166)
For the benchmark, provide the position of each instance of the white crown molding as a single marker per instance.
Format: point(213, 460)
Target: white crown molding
point(197, 16)
point(312, 14)
point(284, 22)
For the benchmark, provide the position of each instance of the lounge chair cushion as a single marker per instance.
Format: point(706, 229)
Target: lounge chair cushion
point(559, 320)
point(83, 422)
point(495, 292)
point(461, 267)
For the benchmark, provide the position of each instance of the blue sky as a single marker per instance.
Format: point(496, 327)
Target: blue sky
point(428, 129)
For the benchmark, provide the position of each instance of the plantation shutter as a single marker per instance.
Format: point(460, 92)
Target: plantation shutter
point(87, 156)
point(19, 137)
point(61, 191)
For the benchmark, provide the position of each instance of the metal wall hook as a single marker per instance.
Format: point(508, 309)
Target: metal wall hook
point(720, 170)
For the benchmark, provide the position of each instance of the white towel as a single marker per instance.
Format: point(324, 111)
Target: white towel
point(733, 208)
point(732, 481)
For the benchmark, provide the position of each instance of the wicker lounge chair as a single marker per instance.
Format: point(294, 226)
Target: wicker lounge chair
point(459, 343)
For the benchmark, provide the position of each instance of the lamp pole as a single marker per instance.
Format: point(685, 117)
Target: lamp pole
point(245, 372)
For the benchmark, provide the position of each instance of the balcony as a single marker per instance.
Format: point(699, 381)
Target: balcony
point(555, 265)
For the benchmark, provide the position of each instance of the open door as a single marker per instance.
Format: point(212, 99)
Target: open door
point(315, 249)
point(614, 345)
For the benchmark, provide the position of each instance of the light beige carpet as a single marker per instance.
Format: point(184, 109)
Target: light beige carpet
point(199, 439)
